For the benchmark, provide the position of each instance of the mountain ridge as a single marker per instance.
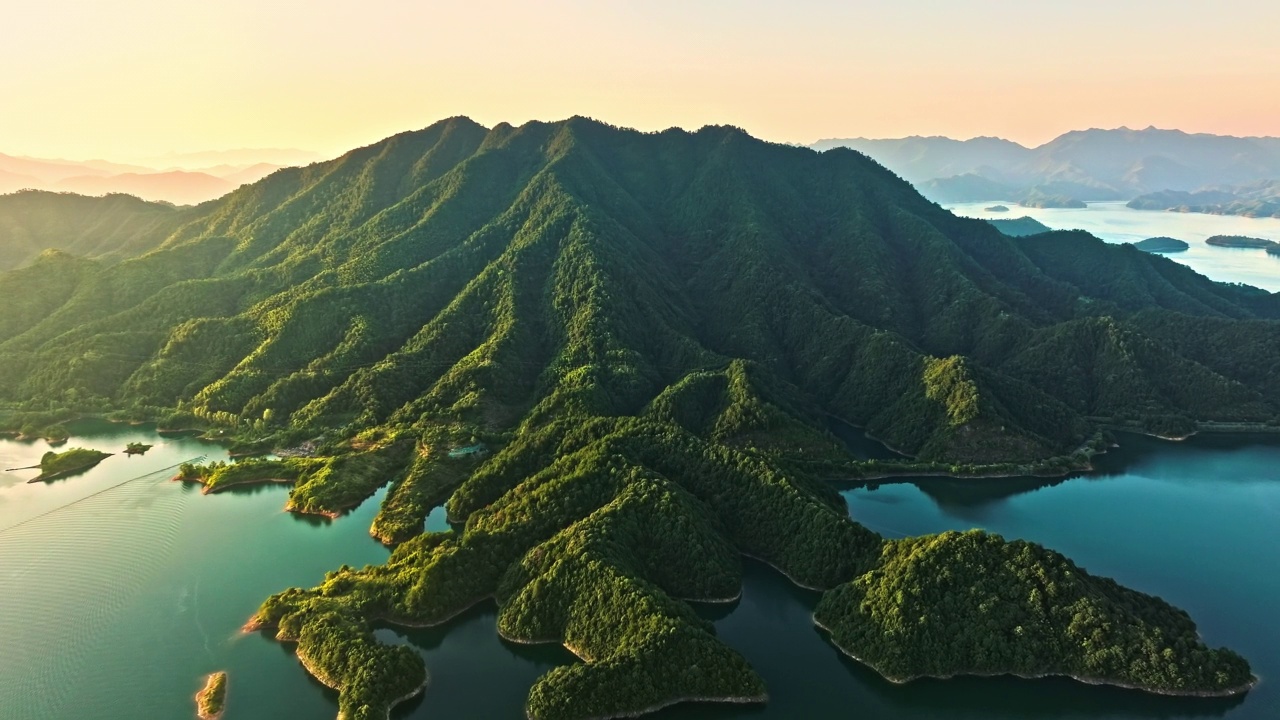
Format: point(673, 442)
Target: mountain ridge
point(1094, 164)
point(646, 332)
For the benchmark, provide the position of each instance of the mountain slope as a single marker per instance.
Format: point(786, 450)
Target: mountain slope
point(647, 333)
point(111, 227)
point(176, 186)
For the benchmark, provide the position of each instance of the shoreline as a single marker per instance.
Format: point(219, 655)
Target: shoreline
point(1229, 692)
point(64, 473)
point(206, 490)
point(785, 574)
point(721, 700)
point(201, 696)
point(333, 685)
point(580, 654)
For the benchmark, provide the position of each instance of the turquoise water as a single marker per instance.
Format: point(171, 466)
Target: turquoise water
point(115, 606)
point(1113, 222)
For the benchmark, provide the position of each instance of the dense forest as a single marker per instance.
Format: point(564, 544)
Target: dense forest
point(54, 465)
point(110, 228)
point(615, 357)
point(971, 603)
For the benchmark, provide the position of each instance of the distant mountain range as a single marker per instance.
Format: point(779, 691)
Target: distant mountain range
point(108, 228)
point(1260, 199)
point(1086, 165)
point(181, 179)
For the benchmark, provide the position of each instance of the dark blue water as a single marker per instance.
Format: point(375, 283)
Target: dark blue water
point(115, 606)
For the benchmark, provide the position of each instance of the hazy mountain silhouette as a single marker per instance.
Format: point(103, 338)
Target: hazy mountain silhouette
point(1084, 165)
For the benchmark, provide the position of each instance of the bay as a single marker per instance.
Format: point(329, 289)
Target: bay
point(1116, 223)
point(121, 589)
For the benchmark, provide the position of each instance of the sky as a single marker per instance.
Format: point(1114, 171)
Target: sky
point(131, 80)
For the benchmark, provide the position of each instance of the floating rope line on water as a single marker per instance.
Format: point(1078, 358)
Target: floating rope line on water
point(47, 513)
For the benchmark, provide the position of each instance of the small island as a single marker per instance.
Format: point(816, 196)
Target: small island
point(1020, 227)
point(56, 465)
point(998, 208)
point(1162, 245)
point(1041, 200)
point(973, 604)
point(1240, 241)
point(135, 448)
point(212, 698)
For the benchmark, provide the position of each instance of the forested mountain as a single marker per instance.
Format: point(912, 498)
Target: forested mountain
point(181, 185)
point(1260, 199)
point(650, 332)
point(112, 227)
point(1084, 165)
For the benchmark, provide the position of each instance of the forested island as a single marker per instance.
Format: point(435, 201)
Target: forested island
point(1043, 200)
point(974, 604)
point(998, 208)
point(1019, 227)
point(1240, 241)
point(648, 334)
point(55, 465)
point(136, 448)
point(1260, 199)
point(212, 698)
point(1162, 245)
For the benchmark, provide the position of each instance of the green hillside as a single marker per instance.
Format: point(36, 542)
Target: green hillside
point(111, 227)
point(648, 333)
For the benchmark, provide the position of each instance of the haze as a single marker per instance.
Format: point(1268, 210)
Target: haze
point(133, 80)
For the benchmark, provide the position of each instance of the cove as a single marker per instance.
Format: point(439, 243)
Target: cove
point(116, 605)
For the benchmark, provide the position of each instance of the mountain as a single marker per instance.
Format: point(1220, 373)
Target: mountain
point(1260, 199)
point(919, 159)
point(109, 228)
point(51, 171)
point(240, 157)
point(1020, 227)
point(178, 187)
point(1084, 165)
point(617, 355)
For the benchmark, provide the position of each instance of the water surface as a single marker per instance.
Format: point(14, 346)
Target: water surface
point(115, 606)
point(1116, 223)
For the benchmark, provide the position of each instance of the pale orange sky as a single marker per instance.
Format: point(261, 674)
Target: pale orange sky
point(132, 79)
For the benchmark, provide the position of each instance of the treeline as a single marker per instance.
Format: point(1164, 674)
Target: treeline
point(973, 604)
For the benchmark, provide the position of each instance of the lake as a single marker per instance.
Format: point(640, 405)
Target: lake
point(115, 605)
point(1116, 223)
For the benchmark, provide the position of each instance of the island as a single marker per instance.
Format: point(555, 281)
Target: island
point(1162, 245)
point(1258, 200)
point(212, 698)
point(135, 448)
point(998, 208)
point(614, 357)
point(57, 465)
point(1044, 200)
point(1240, 241)
point(1020, 227)
point(973, 604)
point(1274, 250)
